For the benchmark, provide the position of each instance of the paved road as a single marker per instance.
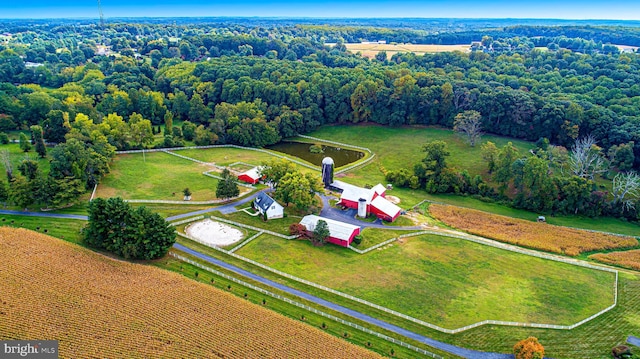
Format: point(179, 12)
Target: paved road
point(224, 209)
point(45, 214)
point(349, 216)
point(465, 353)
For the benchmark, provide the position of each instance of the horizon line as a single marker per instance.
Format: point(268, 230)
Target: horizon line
point(314, 18)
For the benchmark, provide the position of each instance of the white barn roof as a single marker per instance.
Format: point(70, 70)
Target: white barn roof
point(388, 208)
point(337, 229)
point(353, 193)
point(379, 189)
point(253, 173)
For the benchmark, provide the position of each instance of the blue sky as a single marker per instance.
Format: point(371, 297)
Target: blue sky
point(557, 9)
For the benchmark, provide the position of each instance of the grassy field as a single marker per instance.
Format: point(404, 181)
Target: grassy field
point(136, 311)
point(371, 50)
point(592, 340)
point(445, 281)
point(373, 236)
point(227, 155)
point(383, 141)
point(67, 229)
point(158, 176)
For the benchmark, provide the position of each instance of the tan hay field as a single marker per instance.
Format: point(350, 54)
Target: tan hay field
point(540, 236)
point(627, 259)
point(100, 307)
point(370, 50)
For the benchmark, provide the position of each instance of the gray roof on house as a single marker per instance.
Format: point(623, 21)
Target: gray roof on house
point(264, 201)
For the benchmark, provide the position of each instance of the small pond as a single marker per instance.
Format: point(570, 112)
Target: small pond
point(341, 156)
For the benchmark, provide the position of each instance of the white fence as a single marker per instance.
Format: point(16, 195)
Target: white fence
point(188, 220)
point(355, 165)
point(307, 308)
point(245, 242)
point(421, 322)
point(363, 251)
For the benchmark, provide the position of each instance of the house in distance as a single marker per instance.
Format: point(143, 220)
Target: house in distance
point(268, 207)
point(340, 233)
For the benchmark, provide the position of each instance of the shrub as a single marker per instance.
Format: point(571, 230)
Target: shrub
point(529, 348)
point(297, 229)
point(316, 149)
point(4, 138)
point(357, 239)
point(621, 351)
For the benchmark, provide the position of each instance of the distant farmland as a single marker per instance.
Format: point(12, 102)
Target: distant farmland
point(370, 50)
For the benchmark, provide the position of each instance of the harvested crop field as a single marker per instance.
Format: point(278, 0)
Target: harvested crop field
point(370, 50)
point(100, 307)
point(534, 235)
point(627, 259)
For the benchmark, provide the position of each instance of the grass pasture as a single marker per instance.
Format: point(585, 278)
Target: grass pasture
point(67, 229)
point(135, 311)
point(445, 281)
point(371, 50)
point(225, 156)
point(157, 176)
point(383, 141)
point(540, 236)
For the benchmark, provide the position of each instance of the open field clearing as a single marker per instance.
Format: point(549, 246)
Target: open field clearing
point(592, 340)
point(541, 236)
point(67, 229)
point(370, 50)
point(383, 141)
point(130, 310)
point(446, 281)
point(226, 156)
point(626, 259)
point(158, 176)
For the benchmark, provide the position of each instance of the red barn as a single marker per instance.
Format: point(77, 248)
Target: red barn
point(374, 200)
point(340, 233)
point(384, 209)
point(251, 176)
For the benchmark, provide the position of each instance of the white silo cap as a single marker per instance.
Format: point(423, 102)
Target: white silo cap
point(327, 161)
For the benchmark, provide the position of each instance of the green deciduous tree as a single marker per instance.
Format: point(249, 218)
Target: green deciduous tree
point(274, 170)
point(25, 144)
point(131, 233)
point(469, 123)
point(20, 192)
point(298, 189)
point(37, 135)
point(227, 186)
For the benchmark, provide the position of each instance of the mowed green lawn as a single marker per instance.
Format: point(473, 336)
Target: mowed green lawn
point(592, 340)
point(225, 156)
point(445, 281)
point(158, 176)
point(67, 229)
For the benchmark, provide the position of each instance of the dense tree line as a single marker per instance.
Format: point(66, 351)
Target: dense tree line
point(254, 85)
